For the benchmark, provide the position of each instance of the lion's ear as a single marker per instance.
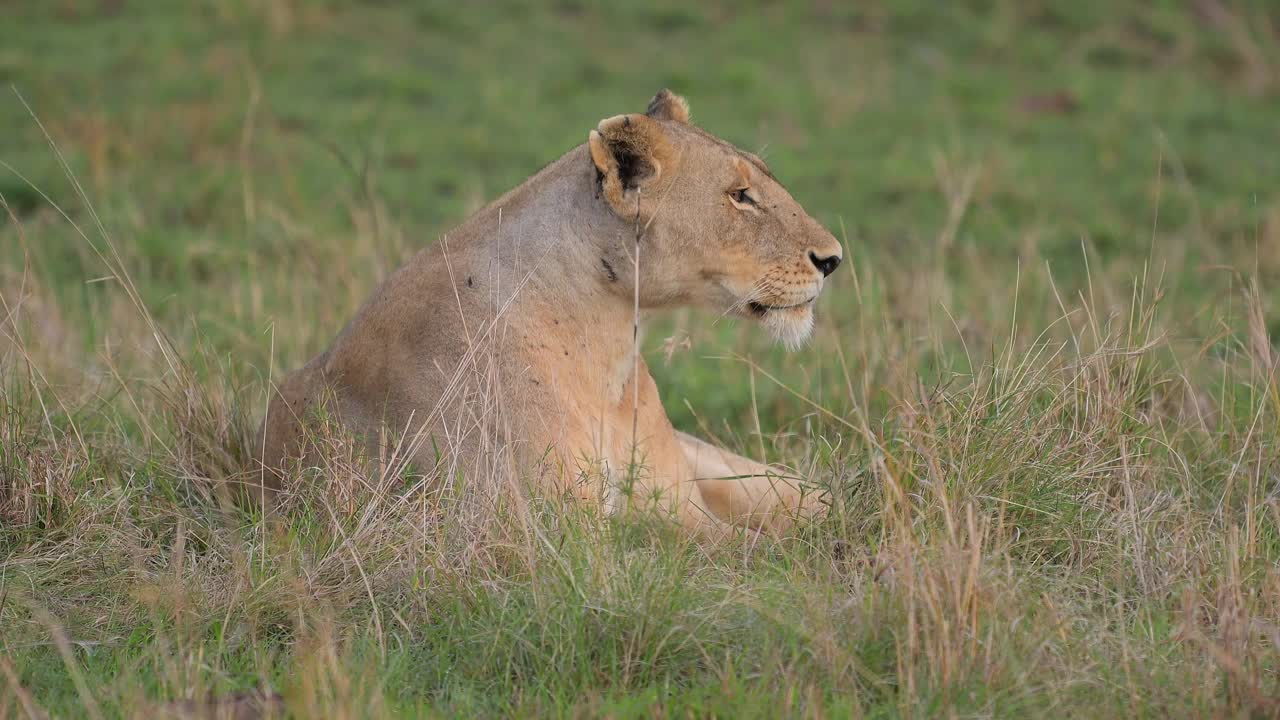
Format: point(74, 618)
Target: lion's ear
point(629, 152)
point(667, 105)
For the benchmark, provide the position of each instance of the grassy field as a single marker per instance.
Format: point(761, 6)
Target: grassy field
point(1043, 394)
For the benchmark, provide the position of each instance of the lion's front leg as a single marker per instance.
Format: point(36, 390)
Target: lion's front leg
point(661, 479)
point(745, 492)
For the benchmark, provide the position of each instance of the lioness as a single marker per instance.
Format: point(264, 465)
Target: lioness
point(533, 301)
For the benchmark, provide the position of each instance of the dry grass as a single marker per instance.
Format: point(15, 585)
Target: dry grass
point(1078, 513)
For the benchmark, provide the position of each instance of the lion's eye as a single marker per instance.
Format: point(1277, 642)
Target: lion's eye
point(741, 197)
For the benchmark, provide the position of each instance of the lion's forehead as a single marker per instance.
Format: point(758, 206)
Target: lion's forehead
point(732, 150)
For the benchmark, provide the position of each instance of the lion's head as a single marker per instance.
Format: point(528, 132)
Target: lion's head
point(717, 228)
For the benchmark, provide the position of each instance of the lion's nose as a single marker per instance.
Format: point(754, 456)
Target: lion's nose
point(825, 265)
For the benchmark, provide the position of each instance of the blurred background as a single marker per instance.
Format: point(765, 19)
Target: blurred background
point(260, 164)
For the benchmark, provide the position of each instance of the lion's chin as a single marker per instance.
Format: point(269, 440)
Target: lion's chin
point(789, 326)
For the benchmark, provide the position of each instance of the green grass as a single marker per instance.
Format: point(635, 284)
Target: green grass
point(1043, 394)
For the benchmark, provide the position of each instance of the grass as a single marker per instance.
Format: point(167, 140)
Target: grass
point(1043, 394)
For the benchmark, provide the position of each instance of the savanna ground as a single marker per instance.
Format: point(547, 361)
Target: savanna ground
point(1042, 393)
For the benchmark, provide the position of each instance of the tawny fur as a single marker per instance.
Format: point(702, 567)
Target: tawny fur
point(531, 299)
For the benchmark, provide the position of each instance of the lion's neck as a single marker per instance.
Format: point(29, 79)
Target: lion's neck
point(555, 251)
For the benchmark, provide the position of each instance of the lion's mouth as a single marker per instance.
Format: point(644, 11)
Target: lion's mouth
point(757, 308)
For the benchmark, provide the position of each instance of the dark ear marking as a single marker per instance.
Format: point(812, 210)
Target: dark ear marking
point(632, 166)
point(629, 152)
point(608, 269)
